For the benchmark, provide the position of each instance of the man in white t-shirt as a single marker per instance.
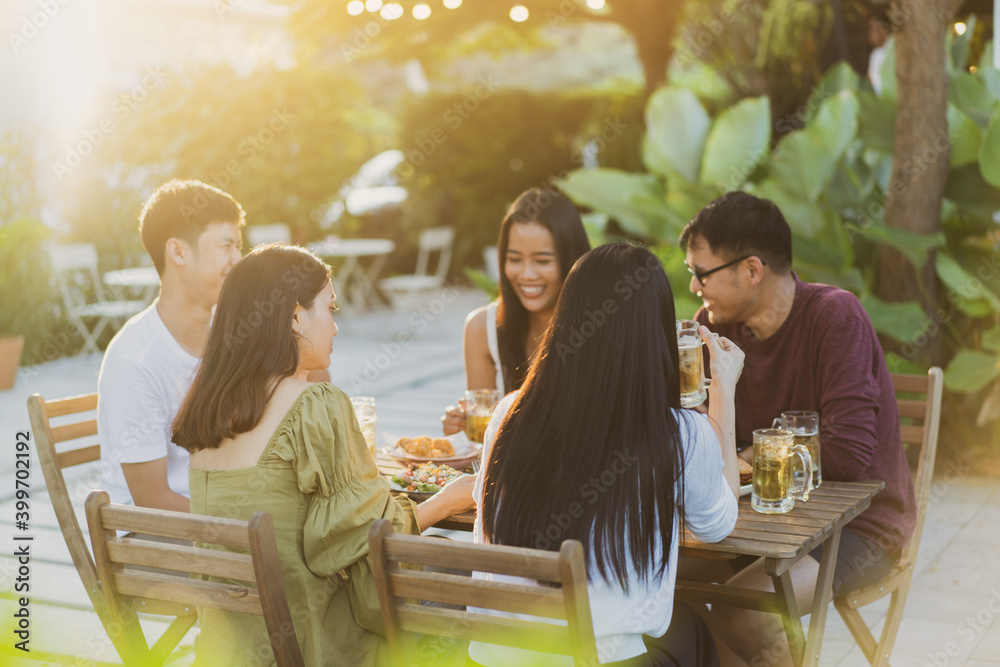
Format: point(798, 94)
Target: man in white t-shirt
point(192, 233)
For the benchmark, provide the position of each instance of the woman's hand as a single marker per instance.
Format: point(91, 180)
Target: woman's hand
point(455, 497)
point(453, 420)
point(726, 361)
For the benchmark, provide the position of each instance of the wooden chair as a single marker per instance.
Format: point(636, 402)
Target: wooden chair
point(41, 413)
point(927, 412)
point(400, 591)
point(125, 589)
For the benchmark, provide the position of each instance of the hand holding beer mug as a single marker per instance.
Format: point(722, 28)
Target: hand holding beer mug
point(805, 425)
point(479, 404)
point(692, 364)
point(774, 490)
point(364, 408)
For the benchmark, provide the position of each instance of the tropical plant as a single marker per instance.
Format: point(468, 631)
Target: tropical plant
point(831, 178)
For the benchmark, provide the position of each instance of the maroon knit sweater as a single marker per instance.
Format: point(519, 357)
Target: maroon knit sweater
point(826, 357)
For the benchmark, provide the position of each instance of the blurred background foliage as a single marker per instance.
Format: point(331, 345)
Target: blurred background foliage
point(644, 109)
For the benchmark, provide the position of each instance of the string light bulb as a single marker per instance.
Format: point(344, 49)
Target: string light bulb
point(373, 5)
point(519, 14)
point(960, 28)
point(452, 4)
point(421, 11)
point(355, 7)
point(391, 12)
point(595, 4)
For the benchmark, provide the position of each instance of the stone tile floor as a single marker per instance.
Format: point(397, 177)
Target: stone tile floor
point(412, 364)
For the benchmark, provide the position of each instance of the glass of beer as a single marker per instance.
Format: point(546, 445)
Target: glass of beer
point(774, 490)
point(364, 408)
point(692, 363)
point(805, 425)
point(479, 404)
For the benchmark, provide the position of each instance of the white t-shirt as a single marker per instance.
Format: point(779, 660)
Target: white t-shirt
point(144, 377)
point(621, 620)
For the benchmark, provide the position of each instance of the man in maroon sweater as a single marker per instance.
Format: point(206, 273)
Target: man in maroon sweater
point(808, 347)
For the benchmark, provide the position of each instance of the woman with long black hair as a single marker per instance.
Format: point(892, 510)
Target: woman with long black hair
point(595, 447)
point(540, 239)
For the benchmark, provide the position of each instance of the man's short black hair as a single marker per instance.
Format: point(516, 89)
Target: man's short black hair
point(738, 224)
point(183, 209)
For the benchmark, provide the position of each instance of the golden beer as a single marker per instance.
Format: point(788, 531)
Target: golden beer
point(691, 362)
point(811, 442)
point(772, 478)
point(368, 430)
point(475, 426)
point(774, 488)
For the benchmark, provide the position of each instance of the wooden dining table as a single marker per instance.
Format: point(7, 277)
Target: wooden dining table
point(781, 539)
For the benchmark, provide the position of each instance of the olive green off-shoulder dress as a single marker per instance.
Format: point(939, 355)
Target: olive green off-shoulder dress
point(319, 482)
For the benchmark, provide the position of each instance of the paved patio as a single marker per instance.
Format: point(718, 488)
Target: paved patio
point(412, 364)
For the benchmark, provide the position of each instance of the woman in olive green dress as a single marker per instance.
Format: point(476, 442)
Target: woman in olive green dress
point(263, 438)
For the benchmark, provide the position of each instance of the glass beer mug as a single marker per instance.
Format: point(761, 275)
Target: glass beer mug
point(692, 363)
point(805, 425)
point(774, 489)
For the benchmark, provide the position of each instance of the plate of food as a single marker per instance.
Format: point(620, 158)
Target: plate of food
point(455, 450)
point(746, 474)
point(421, 481)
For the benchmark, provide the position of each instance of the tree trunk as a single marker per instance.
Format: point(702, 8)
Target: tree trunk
point(652, 24)
point(922, 150)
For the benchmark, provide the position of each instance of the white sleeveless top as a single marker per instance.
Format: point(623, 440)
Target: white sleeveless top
point(491, 342)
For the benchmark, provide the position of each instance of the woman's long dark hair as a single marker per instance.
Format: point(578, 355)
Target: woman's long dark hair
point(556, 213)
point(591, 448)
point(250, 345)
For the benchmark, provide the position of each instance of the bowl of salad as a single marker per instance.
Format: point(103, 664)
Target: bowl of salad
point(423, 480)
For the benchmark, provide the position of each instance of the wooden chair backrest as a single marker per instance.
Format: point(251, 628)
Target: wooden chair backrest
point(925, 413)
point(562, 596)
point(122, 585)
point(41, 414)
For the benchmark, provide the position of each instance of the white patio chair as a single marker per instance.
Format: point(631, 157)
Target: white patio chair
point(261, 234)
point(75, 268)
point(406, 291)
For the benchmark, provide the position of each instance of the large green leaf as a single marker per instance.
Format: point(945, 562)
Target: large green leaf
point(966, 187)
point(900, 321)
point(970, 371)
point(737, 144)
point(839, 77)
point(802, 164)
point(623, 196)
point(850, 280)
point(967, 292)
point(877, 121)
point(676, 129)
point(965, 137)
point(970, 95)
point(837, 122)
point(914, 247)
point(804, 217)
point(989, 152)
point(991, 339)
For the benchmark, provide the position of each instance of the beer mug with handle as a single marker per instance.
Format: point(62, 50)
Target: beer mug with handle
point(805, 425)
point(692, 363)
point(774, 490)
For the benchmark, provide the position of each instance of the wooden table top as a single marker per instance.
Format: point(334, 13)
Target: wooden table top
point(795, 533)
point(782, 536)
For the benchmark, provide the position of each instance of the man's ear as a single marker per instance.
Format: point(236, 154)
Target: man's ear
point(177, 252)
point(756, 269)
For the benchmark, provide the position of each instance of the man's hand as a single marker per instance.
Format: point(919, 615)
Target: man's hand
point(453, 420)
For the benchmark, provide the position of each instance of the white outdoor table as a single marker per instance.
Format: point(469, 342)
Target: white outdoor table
point(144, 277)
point(352, 281)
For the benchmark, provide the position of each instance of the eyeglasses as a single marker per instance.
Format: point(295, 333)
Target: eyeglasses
point(705, 274)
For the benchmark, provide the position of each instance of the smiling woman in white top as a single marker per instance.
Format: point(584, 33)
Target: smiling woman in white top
point(540, 239)
point(595, 447)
